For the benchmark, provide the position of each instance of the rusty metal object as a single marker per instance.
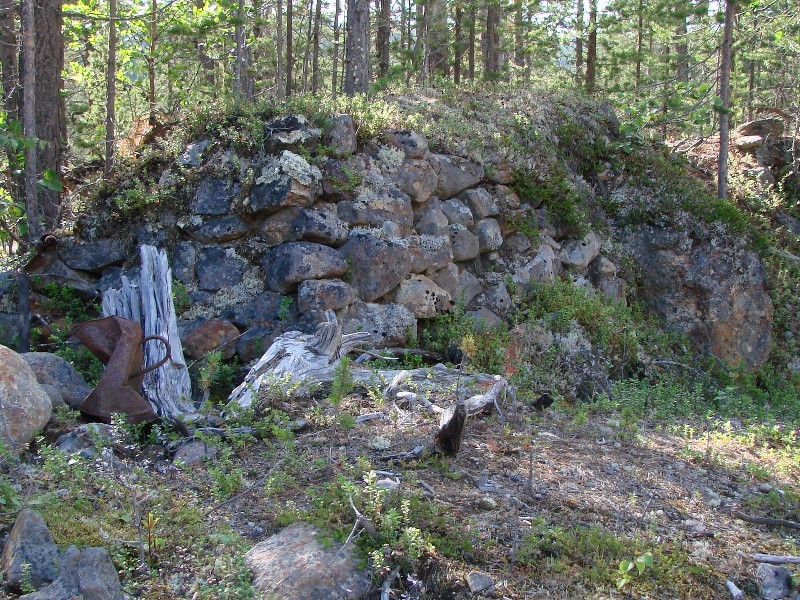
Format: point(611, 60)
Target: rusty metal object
point(117, 342)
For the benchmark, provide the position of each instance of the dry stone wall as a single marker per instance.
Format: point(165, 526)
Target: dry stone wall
point(385, 234)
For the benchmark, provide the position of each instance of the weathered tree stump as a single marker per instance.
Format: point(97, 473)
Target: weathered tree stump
point(149, 302)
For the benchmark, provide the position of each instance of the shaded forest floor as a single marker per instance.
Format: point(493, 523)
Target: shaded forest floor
point(548, 504)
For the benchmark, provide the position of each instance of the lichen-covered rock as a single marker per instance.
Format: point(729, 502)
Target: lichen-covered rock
point(293, 262)
point(30, 556)
point(324, 294)
point(312, 225)
point(488, 233)
point(374, 206)
point(214, 334)
point(93, 256)
point(457, 213)
point(87, 573)
point(217, 230)
point(516, 243)
point(429, 253)
point(774, 581)
point(294, 565)
point(285, 180)
point(417, 179)
point(389, 324)
point(193, 154)
point(748, 142)
point(413, 144)
point(712, 292)
point(480, 202)
point(25, 407)
point(213, 197)
point(544, 267)
point(466, 245)
point(455, 174)
point(577, 254)
point(342, 136)
point(53, 371)
point(218, 268)
point(184, 258)
point(377, 266)
point(422, 297)
point(290, 133)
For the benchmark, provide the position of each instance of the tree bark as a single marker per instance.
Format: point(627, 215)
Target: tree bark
point(9, 58)
point(111, 87)
point(472, 35)
point(437, 43)
point(726, 59)
point(51, 123)
point(32, 208)
point(279, 85)
point(243, 84)
point(519, 35)
point(579, 42)
point(335, 74)
point(458, 44)
point(315, 57)
point(681, 48)
point(383, 36)
point(591, 49)
point(151, 62)
point(491, 59)
point(639, 42)
point(356, 77)
point(289, 47)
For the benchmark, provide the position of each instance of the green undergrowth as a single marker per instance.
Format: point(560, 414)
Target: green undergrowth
point(591, 554)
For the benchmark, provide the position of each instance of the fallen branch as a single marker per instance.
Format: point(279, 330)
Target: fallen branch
point(736, 593)
point(387, 585)
point(767, 520)
point(776, 560)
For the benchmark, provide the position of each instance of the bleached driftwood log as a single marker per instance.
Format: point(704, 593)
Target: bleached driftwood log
point(149, 301)
point(297, 361)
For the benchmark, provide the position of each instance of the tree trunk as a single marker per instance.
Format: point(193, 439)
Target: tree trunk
point(383, 36)
point(32, 208)
point(356, 77)
point(315, 58)
point(9, 58)
point(639, 42)
point(519, 35)
point(309, 39)
point(579, 42)
point(437, 43)
point(726, 60)
point(458, 47)
point(681, 49)
point(334, 77)
point(591, 49)
point(279, 86)
point(243, 85)
point(151, 62)
point(111, 87)
point(491, 59)
point(289, 48)
point(51, 123)
point(472, 34)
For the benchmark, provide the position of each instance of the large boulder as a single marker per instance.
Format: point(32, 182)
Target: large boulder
point(54, 372)
point(87, 574)
point(216, 230)
point(413, 144)
point(30, 547)
point(324, 294)
point(761, 127)
point(214, 334)
point(25, 407)
point(709, 289)
point(577, 254)
point(377, 266)
point(417, 179)
point(455, 174)
point(342, 136)
point(213, 197)
point(294, 565)
point(375, 206)
point(285, 180)
point(290, 133)
point(293, 262)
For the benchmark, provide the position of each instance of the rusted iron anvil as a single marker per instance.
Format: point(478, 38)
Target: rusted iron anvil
point(117, 342)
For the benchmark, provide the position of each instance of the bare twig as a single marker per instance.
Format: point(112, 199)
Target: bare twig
point(736, 593)
point(427, 487)
point(766, 520)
